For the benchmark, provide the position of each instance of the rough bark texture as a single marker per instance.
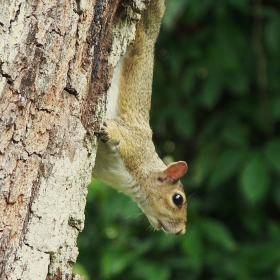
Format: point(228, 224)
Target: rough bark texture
point(56, 62)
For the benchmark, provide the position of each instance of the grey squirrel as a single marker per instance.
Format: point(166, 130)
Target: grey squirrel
point(126, 158)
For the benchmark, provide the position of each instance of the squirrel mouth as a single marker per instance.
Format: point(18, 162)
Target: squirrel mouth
point(156, 223)
point(161, 226)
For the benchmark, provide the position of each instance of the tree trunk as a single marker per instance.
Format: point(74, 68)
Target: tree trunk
point(56, 60)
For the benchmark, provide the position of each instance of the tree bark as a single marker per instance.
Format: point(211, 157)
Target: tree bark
point(56, 63)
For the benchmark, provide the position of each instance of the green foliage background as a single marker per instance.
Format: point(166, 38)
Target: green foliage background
point(216, 105)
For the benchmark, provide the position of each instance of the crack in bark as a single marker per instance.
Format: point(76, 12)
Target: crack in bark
point(78, 11)
point(71, 90)
point(5, 75)
point(75, 223)
point(56, 32)
point(16, 17)
point(34, 154)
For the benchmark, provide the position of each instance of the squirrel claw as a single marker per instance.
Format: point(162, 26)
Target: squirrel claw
point(103, 133)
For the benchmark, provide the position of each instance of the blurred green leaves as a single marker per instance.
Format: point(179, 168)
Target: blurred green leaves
point(272, 151)
point(226, 167)
point(255, 178)
point(217, 234)
point(208, 109)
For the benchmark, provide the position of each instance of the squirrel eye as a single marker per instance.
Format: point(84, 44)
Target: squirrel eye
point(177, 199)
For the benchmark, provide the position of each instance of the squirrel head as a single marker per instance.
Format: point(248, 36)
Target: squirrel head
point(166, 204)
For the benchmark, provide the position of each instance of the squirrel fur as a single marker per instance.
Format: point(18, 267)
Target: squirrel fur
point(126, 157)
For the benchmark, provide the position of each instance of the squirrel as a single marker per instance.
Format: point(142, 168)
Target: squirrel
point(126, 158)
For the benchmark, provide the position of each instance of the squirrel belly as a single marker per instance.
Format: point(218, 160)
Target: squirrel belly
point(110, 167)
point(113, 92)
point(126, 158)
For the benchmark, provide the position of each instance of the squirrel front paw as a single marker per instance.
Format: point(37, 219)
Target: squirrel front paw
point(103, 133)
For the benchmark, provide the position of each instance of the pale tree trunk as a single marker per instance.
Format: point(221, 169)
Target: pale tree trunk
point(56, 63)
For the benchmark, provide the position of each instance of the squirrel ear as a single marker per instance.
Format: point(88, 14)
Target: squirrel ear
point(176, 170)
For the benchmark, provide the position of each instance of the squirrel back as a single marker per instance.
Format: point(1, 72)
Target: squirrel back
point(126, 157)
